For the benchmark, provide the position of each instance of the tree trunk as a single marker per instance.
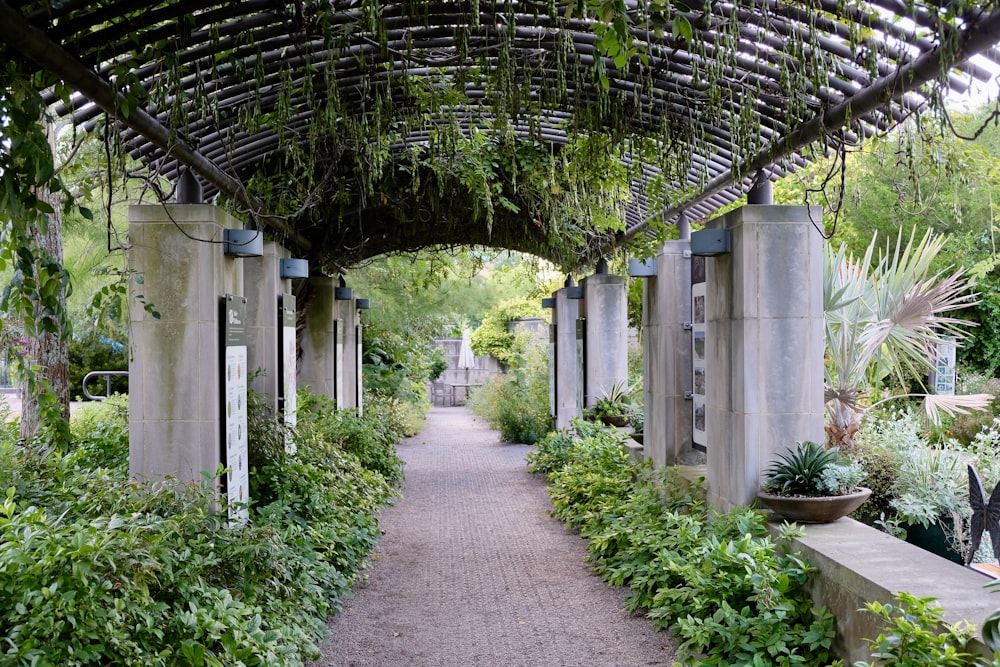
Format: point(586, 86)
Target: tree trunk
point(48, 351)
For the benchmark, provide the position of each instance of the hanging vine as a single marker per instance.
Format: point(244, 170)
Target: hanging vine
point(371, 103)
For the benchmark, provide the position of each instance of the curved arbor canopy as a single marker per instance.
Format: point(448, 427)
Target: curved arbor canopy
point(350, 128)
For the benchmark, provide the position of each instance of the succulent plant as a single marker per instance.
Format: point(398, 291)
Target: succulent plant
point(811, 470)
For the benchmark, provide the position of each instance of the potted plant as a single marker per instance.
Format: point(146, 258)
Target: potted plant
point(614, 407)
point(931, 500)
point(638, 419)
point(809, 484)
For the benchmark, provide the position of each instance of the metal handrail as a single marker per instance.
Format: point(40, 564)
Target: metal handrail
point(107, 375)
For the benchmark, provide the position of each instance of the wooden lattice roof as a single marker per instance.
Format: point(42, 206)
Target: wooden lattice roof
point(736, 88)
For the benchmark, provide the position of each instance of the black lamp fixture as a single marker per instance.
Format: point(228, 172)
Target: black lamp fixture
point(243, 242)
point(711, 242)
point(548, 302)
point(642, 268)
point(362, 304)
point(342, 292)
point(573, 291)
point(294, 268)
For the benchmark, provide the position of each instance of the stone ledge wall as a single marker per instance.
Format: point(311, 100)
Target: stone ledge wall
point(859, 564)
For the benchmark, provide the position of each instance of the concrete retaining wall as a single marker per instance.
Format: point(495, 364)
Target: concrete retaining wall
point(857, 564)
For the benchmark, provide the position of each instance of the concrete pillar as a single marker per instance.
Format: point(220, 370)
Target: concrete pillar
point(346, 313)
point(262, 277)
point(667, 357)
point(568, 383)
point(605, 311)
point(175, 419)
point(322, 342)
point(765, 345)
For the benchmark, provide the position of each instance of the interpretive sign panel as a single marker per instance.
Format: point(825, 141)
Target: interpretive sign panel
point(553, 369)
point(338, 363)
point(359, 377)
point(698, 360)
point(943, 375)
point(286, 360)
point(234, 406)
point(581, 363)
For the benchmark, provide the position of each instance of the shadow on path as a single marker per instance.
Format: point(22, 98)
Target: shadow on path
point(473, 572)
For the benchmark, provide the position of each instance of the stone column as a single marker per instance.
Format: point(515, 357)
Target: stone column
point(606, 312)
point(174, 371)
point(666, 309)
point(262, 277)
point(317, 368)
point(567, 371)
point(765, 345)
point(346, 313)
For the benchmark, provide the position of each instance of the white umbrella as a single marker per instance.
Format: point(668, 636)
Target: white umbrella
point(466, 359)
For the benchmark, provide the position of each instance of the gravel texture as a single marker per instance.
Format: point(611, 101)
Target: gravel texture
point(474, 572)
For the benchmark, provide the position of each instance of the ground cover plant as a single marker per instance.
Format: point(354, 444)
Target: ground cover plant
point(97, 571)
point(729, 593)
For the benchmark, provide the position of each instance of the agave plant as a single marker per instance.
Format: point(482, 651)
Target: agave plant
point(883, 319)
point(812, 470)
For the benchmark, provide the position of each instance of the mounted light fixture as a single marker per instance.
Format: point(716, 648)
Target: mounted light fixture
point(342, 292)
point(548, 302)
point(243, 242)
point(573, 291)
point(642, 268)
point(294, 268)
point(363, 304)
point(711, 242)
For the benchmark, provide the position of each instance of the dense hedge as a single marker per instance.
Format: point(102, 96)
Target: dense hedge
point(97, 571)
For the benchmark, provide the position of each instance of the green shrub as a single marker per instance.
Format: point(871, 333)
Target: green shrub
point(493, 336)
point(369, 437)
point(100, 434)
point(915, 635)
point(552, 452)
point(97, 571)
point(881, 467)
point(94, 351)
point(517, 403)
point(729, 593)
point(964, 428)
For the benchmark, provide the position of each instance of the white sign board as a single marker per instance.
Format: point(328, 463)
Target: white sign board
point(234, 416)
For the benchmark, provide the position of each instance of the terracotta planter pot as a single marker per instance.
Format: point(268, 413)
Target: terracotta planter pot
point(815, 510)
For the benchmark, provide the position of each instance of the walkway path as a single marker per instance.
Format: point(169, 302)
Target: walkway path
point(473, 572)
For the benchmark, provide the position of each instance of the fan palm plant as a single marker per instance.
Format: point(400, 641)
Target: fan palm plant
point(883, 320)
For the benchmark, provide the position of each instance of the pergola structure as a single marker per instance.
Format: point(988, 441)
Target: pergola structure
point(345, 128)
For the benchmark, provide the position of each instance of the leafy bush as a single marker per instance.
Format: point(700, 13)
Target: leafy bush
point(911, 636)
point(729, 593)
point(370, 437)
point(97, 571)
point(100, 434)
point(517, 403)
point(964, 428)
point(551, 452)
point(94, 351)
point(880, 466)
point(493, 336)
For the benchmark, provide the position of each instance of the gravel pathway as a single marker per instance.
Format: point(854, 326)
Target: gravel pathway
point(473, 572)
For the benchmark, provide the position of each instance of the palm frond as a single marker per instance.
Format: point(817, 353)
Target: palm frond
point(934, 404)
